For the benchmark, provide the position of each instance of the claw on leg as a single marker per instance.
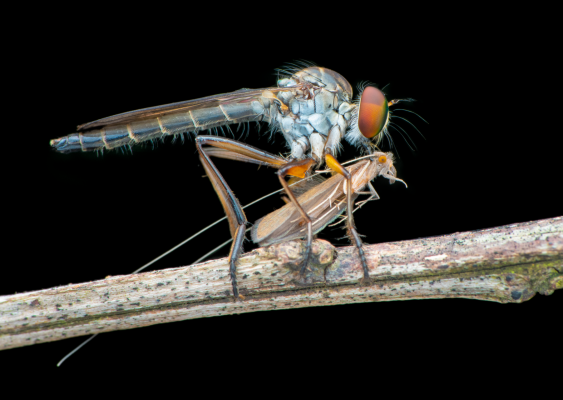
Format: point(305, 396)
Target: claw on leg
point(355, 238)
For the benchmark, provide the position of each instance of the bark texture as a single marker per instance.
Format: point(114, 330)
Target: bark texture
point(508, 264)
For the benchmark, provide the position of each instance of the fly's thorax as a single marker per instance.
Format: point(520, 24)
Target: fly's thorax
point(325, 78)
point(316, 106)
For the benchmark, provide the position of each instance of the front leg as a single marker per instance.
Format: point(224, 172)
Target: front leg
point(299, 168)
point(333, 164)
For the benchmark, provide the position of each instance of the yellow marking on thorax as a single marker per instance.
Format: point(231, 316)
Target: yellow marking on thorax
point(269, 95)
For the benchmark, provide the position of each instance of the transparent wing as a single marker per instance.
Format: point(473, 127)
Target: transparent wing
point(239, 96)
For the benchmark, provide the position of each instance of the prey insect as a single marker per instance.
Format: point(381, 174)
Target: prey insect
point(320, 202)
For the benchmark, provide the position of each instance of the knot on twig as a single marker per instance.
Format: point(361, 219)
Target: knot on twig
point(290, 255)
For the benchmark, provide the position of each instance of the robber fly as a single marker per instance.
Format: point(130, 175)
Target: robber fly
point(312, 107)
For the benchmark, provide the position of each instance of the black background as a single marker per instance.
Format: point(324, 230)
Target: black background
point(490, 157)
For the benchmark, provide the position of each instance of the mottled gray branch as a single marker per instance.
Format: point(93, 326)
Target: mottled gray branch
point(508, 264)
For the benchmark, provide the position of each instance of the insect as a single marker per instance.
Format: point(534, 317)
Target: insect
point(312, 107)
point(320, 202)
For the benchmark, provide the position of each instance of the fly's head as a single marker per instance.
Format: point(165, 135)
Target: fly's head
point(373, 114)
point(371, 118)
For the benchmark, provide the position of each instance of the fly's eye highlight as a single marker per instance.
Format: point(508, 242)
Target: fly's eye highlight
point(382, 159)
point(373, 113)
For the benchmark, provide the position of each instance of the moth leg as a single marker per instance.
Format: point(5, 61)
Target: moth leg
point(333, 164)
point(372, 196)
point(299, 168)
point(232, 207)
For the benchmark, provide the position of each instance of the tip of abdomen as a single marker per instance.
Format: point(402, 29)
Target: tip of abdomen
point(65, 145)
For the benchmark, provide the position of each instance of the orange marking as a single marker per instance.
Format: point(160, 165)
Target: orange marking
point(300, 170)
point(334, 165)
point(382, 159)
point(269, 95)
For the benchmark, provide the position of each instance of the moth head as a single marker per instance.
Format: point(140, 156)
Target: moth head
point(384, 162)
point(386, 168)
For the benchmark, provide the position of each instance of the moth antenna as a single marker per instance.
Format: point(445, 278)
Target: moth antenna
point(76, 349)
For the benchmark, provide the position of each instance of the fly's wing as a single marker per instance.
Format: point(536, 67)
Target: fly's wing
point(134, 127)
point(239, 96)
point(323, 203)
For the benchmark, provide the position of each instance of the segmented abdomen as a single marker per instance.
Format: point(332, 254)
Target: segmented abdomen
point(113, 136)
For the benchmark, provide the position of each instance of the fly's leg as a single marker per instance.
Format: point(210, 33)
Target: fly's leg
point(299, 168)
point(232, 207)
point(232, 149)
point(333, 164)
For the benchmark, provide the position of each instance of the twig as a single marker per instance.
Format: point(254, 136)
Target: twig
point(504, 264)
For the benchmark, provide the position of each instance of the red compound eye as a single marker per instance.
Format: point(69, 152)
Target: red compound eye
point(382, 159)
point(374, 109)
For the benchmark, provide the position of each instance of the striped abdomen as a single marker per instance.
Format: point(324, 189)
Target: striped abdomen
point(133, 130)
